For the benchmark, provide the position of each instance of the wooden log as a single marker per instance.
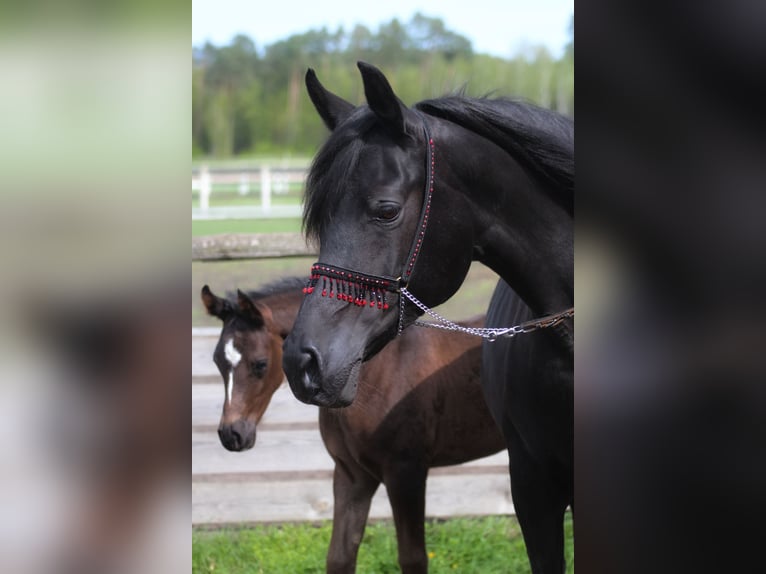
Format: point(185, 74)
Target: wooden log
point(250, 246)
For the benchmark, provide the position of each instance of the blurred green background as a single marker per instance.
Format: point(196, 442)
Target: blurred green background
point(249, 100)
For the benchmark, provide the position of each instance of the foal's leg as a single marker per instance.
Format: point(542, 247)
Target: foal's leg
point(540, 503)
point(353, 489)
point(406, 486)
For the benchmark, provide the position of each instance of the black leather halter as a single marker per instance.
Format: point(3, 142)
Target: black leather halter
point(364, 289)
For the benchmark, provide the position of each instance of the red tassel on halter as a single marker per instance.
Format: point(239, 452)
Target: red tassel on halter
point(349, 287)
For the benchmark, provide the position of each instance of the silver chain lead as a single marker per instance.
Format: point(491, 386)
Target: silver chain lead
point(488, 333)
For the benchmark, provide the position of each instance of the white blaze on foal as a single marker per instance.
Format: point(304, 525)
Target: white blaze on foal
point(233, 356)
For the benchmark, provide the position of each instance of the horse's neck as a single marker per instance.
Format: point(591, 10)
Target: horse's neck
point(284, 309)
point(520, 231)
point(541, 271)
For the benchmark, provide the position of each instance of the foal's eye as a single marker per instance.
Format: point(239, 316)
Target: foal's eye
point(258, 368)
point(387, 212)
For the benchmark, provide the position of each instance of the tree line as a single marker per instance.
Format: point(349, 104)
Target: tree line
point(246, 101)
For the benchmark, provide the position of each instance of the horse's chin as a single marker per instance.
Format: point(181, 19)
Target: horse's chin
point(341, 390)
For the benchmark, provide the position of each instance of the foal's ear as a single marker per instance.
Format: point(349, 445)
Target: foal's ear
point(381, 97)
point(257, 314)
point(215, 306)
point(332, 109)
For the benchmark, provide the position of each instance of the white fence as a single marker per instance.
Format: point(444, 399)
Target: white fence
point(268, 180)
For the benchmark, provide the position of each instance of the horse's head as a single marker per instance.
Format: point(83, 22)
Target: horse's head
point(379, 227)
point(249, 357)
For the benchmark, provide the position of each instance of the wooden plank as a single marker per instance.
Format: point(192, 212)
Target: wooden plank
point(259, 499)
point(292, 450)
point(206, 332)
point(207, 402)
point(202, 349)
point(288, 475)
point(249, 246)
point(208, 379)
point(286, 450)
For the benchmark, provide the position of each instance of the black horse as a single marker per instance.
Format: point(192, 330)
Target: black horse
point(401, 200)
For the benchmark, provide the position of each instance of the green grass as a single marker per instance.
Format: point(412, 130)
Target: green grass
point(469, 545)
point(214, 226)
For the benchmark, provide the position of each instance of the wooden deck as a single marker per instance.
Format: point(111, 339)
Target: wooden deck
point(287, 476)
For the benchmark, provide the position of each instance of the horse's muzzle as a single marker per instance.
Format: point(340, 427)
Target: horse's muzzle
point(318, 380)
point(237, 436)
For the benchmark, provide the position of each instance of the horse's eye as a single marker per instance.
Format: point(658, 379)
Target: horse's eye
point(258, 368)
point(387, 212)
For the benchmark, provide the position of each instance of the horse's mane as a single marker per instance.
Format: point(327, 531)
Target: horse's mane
point(278, 286)
point(540, 139)
point(273, 288)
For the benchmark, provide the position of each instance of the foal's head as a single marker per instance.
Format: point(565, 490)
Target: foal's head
point(249, 357)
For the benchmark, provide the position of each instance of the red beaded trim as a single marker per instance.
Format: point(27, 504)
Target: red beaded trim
point(351, 287)
point(424, 215)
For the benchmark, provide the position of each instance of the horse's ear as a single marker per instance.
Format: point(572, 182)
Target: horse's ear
point(215, 306)
point(332, 109)
point(381, 97)
point(258, 314)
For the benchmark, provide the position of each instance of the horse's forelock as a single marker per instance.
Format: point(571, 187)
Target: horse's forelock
point(334, 166)
point(328, 176)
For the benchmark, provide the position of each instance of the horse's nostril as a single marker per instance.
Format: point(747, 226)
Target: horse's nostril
point(236, 440)
point(237, 436)
point(303, 368)
point(309, 368)
point(309, 358)
point(230, 438)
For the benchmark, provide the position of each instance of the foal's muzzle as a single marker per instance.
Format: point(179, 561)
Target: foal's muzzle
point(237, 436)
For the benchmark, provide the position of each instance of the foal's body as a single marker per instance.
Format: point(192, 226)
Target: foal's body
point(419, 405)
